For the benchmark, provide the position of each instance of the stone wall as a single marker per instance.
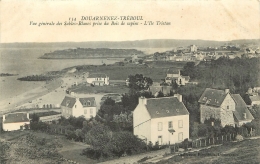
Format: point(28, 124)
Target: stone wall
point(208, 111)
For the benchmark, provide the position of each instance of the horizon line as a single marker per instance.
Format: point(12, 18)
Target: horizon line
point(130, 41)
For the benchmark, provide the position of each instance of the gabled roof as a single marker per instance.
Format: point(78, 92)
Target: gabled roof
point(97, 75)
point(212, 97)
point(255, 98)
point(16, 117)
point(241, 108)
point(165, 107)
point(68, 101)
point(187, 78)
point(86, 102)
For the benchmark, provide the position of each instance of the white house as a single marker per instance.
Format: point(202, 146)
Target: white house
point(164, 120)
point(15, 121)
point(98, 79)
point(175, 76)
point(73, 106)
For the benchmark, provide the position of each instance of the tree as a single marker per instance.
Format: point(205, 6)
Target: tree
point(127, 143)
point(98, 137)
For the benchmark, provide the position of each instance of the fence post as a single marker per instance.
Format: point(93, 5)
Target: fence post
point(196, 143)
point(205, 142)
point(200, 143)
point(230, 137)
point(213, 140)
point(226, 137)
point(222, 139)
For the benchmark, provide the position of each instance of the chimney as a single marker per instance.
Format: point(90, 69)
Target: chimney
point(244, 115)
point(178, 96)
point(226, 91)
point(142, 100)
point(3, 118)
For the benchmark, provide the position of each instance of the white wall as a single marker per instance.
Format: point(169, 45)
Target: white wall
point(13, 126)
point(141, 121)
point(166, 135)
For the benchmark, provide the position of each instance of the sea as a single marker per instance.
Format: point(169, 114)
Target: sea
point(25, 61)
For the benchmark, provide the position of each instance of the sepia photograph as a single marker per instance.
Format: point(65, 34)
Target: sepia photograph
point(129, 82)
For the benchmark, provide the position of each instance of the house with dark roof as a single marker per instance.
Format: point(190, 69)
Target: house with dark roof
point(164, 120)
point(174, 75)
point(241, 114)
point(15, 121)
point(98, 79)
point(74, 106)
point(229, 108)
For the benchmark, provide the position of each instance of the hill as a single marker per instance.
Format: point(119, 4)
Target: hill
point(82, 53)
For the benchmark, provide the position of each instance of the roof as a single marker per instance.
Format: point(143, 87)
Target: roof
point(212, 97)
point(86, 102)
point(16, 117)
point(255, 98)
point(187, 78)
point(165, 107)
point(241, 108)
point(164, 89)
point(68, 101)
point(97, 75)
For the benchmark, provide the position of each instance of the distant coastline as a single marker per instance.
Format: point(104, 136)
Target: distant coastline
point(90, 53)
point(7, 74)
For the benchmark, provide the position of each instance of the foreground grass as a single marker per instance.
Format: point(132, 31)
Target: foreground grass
point(247, 151)
point(41, 148)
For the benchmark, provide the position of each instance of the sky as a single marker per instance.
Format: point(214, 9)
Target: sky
point(221, 20)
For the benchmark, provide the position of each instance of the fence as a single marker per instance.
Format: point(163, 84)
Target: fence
point(204, 142)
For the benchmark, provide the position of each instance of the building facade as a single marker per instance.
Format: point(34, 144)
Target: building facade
point(175, 76)
point(163, 120)
point(74, 106)
point(98, 79)
point(219, 104)
point(15, 121)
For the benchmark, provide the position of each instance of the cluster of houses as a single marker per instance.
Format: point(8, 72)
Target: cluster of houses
point(164, 120)
point(207, 54)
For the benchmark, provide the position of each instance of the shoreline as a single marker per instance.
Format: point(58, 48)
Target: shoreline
point(15, 102)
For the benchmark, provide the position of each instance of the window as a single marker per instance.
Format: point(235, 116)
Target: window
point(75, 106)
point(88, 103)
point(160, 140)
point(170, 124)
point(159, 126)
point(180, 136)
point(85, 111)
point(180, 124)
point(91, 111)
point(227, 107)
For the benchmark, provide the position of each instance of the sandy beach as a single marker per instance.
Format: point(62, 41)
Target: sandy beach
point(51, 93)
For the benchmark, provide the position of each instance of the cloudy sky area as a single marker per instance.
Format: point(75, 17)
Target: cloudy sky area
point(201, 19)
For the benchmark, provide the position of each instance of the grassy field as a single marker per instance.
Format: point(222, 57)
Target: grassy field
point(155, 70)
point(247, 151)
point(41, 148)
